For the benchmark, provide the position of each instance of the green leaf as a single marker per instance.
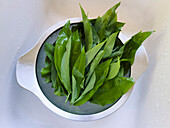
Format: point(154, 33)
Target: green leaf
point(102, 22)
point(47, 61)
point(53, 75)
point(113, 26)
point(130, 48)
point(47, 78)
point(93, 65)
point(92, 52)
point(78, 75)
point(98, 24)
point(112, 90)
point(113, 21)
point(118, 43)
point(96, 39)
point(46, 71)
point(49, 50)
point(109, 45)
point(60, 91)
point(133, 44)
point(109, 30)
point(79, 67)
point(118, 53)
point(65, 74)
point(75, 48)
point(101, 73)
point(60, 46)
point(114, 69)
point(87, 31)
point(56, 83)
point(90, 85)
point(126, 66)
point(82, 84)
point(121, 72)
point(116, 27)
point(110, 14)
point(75, 90)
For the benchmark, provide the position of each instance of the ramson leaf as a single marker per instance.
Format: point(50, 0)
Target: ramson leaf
point(90, 85)
point(109, 45)
point(101, 73)
point(112, 90)
point(78, 75)
point(65, 74)
point(113, 70)
point(93, 65)
point(131, 47)
point(46, 71)
point(102, 22)
point(75, 48)
point(92, 52)
point(87, 31)
point(60, 46)
point(133, 44)
point(49, 50)
point(56, 83)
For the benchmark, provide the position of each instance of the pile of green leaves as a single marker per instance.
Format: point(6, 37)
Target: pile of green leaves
point(88, 62)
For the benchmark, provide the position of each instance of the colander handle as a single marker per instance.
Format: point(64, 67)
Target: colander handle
point(140, 64)
point(25, 70)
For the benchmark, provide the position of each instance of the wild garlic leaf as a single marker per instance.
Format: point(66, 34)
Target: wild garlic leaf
point(118, 53)
point(92, 52)
point(102, 22)
point(47, 78)
point(121, 72)
point(49, 50)
point(108, 48)
point(106, 18)
point(75, 48)
point(98, 24)
point(112, 90)
point(60, 46)
point(60, 91)
point(113, 70)
point(130, 48)
point(45, 71)
point(116, 27)
point(78, 75)
point(56, 83)
point(47, 61)
point(93, 65)
point(82, 84)
point(90, 85)
point(87, 31)
point(53, 75)
point(65, 64)
point(126, 66)
point(133, 44)
point(101, 73)
point(96, 39)
point(110, 14)
point(75, 90)
point(79, 67)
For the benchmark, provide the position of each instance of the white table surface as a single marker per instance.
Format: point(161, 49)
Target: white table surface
point(23, 21)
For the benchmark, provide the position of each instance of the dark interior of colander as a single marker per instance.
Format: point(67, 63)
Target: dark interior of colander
point(85, 109)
